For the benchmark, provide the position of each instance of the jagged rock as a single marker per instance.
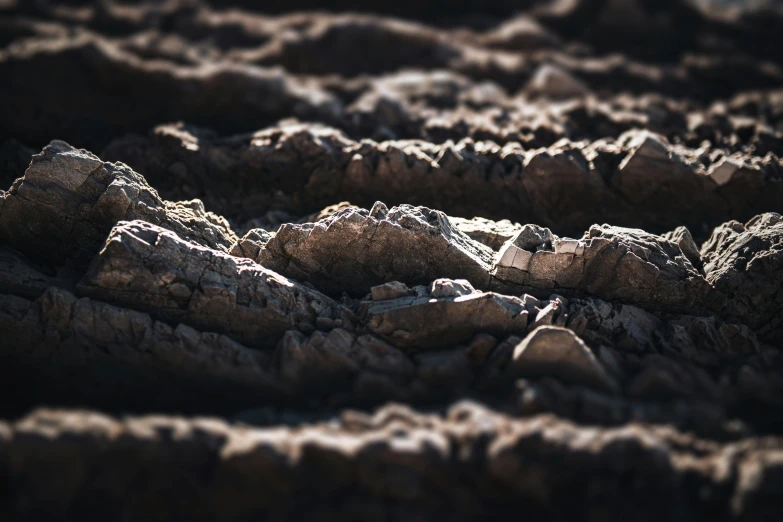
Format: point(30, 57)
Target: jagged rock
point(568, 186)
point(487, 232)
point(266, 471)
point(558, 352)
point(442, 318)
point(147, 267)
point(682, 237)
point(356, 249)
point(251, 243)
point(745, 266)
point(61, 349)
point(68, 200)
point(612, 263)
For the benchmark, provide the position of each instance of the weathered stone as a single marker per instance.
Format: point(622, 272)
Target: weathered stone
point(251, 243)
point(146, 267)
point(487, 232)
point(608, 262)
point(64, 350)
point(682, 237)
point(68, 200)
point(554, 82)
point(390, 290)
point(444, 319)
point(356, 249)
point(745, 266)
point(331, 361)
point(558, 352)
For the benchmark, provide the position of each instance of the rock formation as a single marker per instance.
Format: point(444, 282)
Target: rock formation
point(404, 261)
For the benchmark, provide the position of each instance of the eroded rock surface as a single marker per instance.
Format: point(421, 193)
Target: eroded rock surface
point(745, 265)
point(147, 267)
point(579, 235)
point(356, 249)
point(613, 263)
point(68, 200)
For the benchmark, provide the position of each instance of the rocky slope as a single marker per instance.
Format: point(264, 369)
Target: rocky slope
point(308, 265)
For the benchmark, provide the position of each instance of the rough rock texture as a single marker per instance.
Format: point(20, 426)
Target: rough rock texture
point(355, 249)
point(609, 262)
point(476, 261)
point(745, 264)
point(565, 184)
point(147, 267)
point(68, 200)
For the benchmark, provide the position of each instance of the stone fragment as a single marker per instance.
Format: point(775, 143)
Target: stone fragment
point(558, 352)
point(390, 290)
point(682, 237)
point(435, 320)
point(723, 171)
point(68, 200)
point(451, 288)
point(146, 267)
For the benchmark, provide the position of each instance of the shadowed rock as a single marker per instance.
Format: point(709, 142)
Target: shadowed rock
point(558, 352)
point(444, 459)
point(68, 201)
point(744, 263)
point(146, 267)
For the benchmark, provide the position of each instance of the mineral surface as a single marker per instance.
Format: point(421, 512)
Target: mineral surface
point(396, 261)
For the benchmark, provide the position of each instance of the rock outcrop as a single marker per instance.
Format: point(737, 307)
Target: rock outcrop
point(356, 249)
point(68, 200)
point(481, 261)
point(146, 267)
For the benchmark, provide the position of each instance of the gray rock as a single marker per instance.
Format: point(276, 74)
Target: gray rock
point(682, 237)
point(330, 361)
point(745, 266)
point(355, 249)
point(487, 232)
point(251, 243)
point(146, 267)
point(68, 200)
point(612, 263)
point(435, 320)
point(451, 288)
point(558, 352)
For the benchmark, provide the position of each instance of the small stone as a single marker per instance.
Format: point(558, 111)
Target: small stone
point(391, 290)
point(451, 288)
point(558, 352)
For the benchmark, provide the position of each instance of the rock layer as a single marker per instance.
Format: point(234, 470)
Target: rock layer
point(536, 244)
